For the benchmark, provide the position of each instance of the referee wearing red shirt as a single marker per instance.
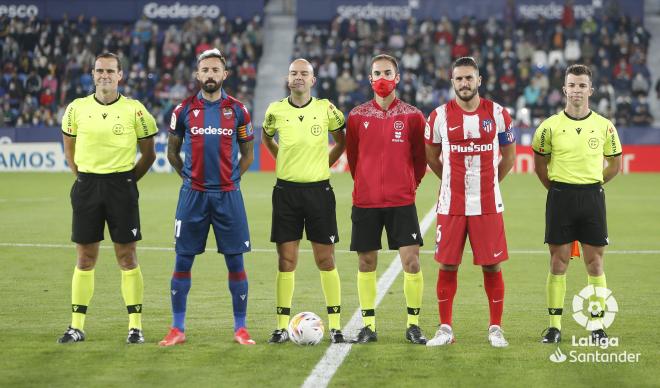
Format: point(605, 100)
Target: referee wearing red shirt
point(385, 150)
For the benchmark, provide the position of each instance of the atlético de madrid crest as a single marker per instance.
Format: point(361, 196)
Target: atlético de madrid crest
point(487, 125)
point(227, 113)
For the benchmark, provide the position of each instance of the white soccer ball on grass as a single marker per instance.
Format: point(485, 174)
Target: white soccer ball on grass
point(306, 328)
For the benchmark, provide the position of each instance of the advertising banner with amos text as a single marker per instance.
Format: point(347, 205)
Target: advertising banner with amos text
point(636, 158)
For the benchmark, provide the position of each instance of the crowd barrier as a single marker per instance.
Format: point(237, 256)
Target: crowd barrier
point(40, 149)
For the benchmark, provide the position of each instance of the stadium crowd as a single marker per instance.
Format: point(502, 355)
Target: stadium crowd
point(47, 64)
point(522, 62)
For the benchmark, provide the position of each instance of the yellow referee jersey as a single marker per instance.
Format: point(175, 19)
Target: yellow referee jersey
point(576, 146)
point(107, 135)
point(303, 138)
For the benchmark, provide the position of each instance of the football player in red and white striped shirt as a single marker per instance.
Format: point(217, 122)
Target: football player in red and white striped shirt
point(464, 141)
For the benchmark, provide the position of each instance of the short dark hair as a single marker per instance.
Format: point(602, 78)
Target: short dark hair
point(108, 54)
point(386, 57)
point(578, 69)
point(465, 61)
point(212, 53)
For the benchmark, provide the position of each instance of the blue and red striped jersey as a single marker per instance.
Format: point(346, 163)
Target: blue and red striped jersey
point(211, 132)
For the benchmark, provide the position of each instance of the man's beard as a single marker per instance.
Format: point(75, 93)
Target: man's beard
point(469, 97)
point(211, 86)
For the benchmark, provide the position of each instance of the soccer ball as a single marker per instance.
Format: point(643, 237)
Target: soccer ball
point(306, 329)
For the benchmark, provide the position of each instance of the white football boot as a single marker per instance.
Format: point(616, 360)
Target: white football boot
point(496, 337)
point(444, 336)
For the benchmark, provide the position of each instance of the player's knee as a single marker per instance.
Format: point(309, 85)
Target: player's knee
point(86, 263)
point(325, 263)
point(448, 267)
point(326, 266)
point(366, 265)
point(411, 265)
point(558, 265)
point(491, 268)
point(128, 265)
point(367, 261)
point(595, 267)
point(286, 264)
point(87, 255)
point(595, 271)
point(127, 260)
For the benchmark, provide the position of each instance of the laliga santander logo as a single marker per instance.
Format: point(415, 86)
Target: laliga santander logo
point(596, 318)
point(558, 356)
point(589, 314)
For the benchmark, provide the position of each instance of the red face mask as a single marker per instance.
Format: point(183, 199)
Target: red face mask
point(383, 87)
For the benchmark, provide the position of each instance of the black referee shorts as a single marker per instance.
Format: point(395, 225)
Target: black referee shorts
point(575, 212)
point(400, 223)
point(97, 198)
point(309, 206)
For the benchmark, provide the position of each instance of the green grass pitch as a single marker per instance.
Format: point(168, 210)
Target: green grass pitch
point(35, 299)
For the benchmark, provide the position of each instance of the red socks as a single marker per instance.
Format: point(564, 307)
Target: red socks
point(494, 286)
point(446, 289)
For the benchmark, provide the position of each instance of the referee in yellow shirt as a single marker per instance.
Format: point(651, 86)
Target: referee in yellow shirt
point(302, 196)
point(100, 136)
point(569, 150)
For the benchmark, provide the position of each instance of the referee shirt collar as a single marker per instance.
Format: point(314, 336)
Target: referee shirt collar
point(575, 118)
point(110, 103)
point(302, 106)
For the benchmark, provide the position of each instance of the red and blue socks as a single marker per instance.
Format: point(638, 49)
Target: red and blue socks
point(179, 288)
point(238, 287)
point(181, 283)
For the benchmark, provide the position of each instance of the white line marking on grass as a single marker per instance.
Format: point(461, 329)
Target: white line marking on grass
point(272, 250)
point(335, 355)
point(105, 246)
point(29, 200)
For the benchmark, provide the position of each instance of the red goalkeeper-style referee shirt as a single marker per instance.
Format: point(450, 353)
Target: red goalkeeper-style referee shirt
point(385, 151)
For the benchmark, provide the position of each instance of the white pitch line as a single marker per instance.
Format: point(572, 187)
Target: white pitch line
point(335, 355)
point(28, 200)
point(272, 250)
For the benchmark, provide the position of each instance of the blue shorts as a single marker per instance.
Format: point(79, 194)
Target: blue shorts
point(198, 210)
